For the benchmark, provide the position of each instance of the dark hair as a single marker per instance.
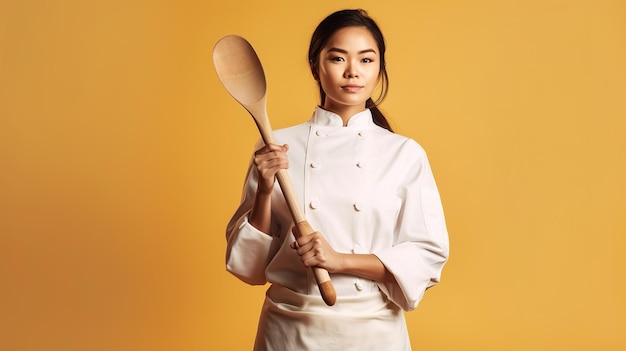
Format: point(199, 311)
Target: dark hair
point(323, 32)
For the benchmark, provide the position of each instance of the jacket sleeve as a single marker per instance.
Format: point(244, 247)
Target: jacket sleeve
point(421, 245)
point(248, 250)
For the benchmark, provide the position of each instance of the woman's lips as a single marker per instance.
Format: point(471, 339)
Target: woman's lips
point(352, 88)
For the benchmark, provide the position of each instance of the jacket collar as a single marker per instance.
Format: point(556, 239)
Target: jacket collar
point(326, 118)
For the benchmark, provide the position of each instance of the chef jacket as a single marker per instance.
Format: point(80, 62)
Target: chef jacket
point(367, 190)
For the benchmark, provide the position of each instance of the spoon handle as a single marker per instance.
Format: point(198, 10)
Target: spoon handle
point(259, 114)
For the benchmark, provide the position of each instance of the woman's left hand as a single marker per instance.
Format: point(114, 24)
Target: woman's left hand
point(315, 251)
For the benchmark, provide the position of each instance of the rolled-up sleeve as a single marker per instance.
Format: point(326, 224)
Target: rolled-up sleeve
point(248, 253)
point(421, 244)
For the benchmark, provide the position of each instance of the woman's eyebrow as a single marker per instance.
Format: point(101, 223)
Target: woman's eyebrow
point(342, 51)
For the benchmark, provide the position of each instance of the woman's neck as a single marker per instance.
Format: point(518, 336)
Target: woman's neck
point(345, 112)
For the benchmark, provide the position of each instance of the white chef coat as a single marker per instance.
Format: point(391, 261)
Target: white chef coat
point(367, 190)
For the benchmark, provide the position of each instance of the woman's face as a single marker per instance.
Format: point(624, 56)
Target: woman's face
point(348, 70)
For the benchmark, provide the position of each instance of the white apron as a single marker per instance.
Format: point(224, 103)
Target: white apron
point(295, 322)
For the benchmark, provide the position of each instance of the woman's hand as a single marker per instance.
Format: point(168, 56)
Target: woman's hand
point(269, 160)
point(315, 251)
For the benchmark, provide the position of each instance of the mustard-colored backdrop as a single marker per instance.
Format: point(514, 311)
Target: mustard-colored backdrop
point(122, 158)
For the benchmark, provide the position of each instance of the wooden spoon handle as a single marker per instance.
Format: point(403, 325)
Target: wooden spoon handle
point(327, 290)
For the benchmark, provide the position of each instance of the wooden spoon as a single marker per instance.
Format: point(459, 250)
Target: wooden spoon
point(240, 71)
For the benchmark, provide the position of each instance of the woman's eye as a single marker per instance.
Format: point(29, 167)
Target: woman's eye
point(337, 59)
point(367, 60)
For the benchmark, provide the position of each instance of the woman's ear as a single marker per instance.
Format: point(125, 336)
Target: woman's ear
point(314, 71)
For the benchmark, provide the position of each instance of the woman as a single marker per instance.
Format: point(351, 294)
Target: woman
point(371, 195)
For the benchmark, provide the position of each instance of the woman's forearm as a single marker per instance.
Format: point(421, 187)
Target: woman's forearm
point(261, 213)
point(366, 266)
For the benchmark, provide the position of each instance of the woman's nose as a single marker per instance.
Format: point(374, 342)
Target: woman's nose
point(351, 71)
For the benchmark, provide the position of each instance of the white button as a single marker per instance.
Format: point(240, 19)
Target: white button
point(315, 203)
point(315, 165)
point(362, 134)
point(361, 164)
point(320, 133)
point(358, 286)
point(358, 206)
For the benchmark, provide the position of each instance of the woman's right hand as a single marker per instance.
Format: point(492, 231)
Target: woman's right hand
point(269, 160)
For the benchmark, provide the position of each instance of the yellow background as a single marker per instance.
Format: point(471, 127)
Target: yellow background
point(122, 158)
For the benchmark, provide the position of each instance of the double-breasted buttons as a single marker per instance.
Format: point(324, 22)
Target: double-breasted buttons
point(320, 133)
point(315, 203)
